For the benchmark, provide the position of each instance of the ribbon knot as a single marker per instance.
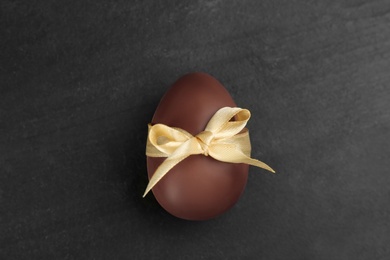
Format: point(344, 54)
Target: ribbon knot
point(205, 139)
point(222, 139)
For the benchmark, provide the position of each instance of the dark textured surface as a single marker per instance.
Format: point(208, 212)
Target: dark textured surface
point(79, 81)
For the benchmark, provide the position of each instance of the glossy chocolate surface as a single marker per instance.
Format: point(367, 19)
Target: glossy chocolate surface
point(199, 187)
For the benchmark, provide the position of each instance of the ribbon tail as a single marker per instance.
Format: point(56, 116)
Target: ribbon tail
point(258, 163)
point(188, 148)
point(230, 153)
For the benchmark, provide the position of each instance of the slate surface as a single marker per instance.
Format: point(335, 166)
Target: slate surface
point(79, 81)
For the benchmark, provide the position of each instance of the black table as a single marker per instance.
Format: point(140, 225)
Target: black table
point(79, 81)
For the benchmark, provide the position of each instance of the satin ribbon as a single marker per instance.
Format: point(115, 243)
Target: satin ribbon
point(224, 140)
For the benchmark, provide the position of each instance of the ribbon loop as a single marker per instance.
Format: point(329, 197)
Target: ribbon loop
point(223, 139)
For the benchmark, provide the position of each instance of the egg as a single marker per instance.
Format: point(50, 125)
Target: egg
point(199, 187)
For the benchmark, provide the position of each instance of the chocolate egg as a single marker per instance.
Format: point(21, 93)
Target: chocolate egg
point(199, 187)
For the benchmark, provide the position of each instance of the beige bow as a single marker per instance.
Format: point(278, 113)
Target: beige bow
point(222, 139)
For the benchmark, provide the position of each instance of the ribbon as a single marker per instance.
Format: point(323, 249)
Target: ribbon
point(224, 140)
